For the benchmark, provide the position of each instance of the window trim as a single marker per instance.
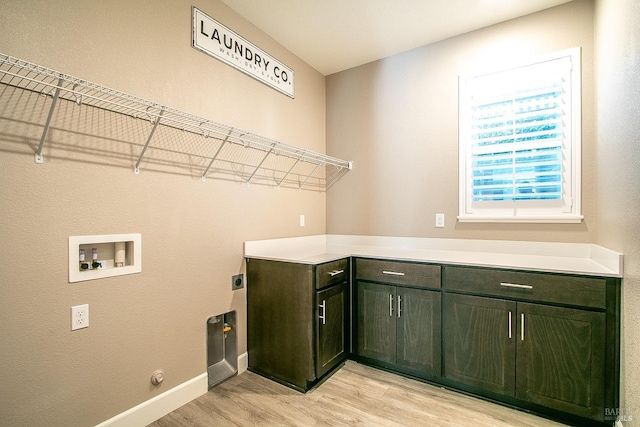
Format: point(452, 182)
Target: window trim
point(524, 211)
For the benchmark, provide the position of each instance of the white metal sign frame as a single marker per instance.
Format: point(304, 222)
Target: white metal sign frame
point(215, 39)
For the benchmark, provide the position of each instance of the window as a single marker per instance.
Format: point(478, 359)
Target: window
point(520, 142)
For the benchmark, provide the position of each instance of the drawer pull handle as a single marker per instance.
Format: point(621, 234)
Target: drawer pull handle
point(335, 272)
point(393, 273)
point(515, 285)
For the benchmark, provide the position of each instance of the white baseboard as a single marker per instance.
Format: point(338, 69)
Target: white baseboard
point(160, 405)
point(243, 362)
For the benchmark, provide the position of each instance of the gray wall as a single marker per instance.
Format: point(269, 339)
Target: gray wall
point(397, 119)
point(618, 168)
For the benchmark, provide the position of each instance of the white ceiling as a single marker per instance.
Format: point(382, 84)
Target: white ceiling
point(334, 35)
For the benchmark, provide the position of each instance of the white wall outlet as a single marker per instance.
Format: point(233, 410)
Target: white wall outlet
point(439, 220)
point(79, 316)
point(301, 220)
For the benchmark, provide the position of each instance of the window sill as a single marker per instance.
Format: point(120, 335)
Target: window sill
point(550, 219)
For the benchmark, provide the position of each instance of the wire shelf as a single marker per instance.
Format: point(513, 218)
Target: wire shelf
point(73, 118)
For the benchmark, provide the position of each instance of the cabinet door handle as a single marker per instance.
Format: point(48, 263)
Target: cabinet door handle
point(399, 305)
point(515, 285)
point(323, 316)
point(393, 273)
point(509, 324)
point(390, 305)
point(522, 327)
point(335, 272)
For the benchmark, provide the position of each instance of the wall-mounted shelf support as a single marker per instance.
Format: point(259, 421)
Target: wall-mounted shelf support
point(260, 164)
point(309, 176)
point(95, 122)
point(290, 169)
point(56, 95)
point(153, 130)
point(215, 156)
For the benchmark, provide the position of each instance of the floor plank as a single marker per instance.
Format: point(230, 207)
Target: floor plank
point(356, 395)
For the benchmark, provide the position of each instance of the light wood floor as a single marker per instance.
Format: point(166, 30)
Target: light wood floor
point(356, 395)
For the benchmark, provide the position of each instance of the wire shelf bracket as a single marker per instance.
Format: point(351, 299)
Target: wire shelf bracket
point(38, 157)
point(136, 169)
point(289, 171)
point(260, 164)
point(215, 156)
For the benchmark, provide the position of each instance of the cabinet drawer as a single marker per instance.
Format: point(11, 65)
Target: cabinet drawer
point(543, 287)
point(332, 272)
point(398, 272)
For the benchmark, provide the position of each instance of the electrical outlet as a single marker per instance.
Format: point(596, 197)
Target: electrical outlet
point(301, 220)
point(237, 282)
point(79, 316)
point(439, 220)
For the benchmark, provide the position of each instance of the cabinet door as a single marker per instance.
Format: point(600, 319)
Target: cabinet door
point(418, 331)
point(479, 336)
point(376, 327)
point(560, 358)
point(332, 327)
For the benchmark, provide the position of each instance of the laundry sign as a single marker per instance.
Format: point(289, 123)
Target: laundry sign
point(213, 38)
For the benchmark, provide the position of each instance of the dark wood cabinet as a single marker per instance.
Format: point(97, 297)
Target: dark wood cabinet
point(333, 322)
point(376, 324)
point(534, 354)
point(479, 336)
point(297, 319)
point(399, 326)
point(544, 342)
point(560, 359)
point(418, 331)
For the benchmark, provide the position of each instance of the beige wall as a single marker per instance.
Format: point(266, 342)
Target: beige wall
point(192, 232)
point(618, 169)
point(397, 119)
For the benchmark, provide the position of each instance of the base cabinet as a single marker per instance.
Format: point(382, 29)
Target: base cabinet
point(297, 320)
point(544, 342)
point(398, 326)
point(550, 356)
point(532, 354)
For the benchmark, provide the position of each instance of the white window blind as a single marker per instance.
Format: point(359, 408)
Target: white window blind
point(518, 142)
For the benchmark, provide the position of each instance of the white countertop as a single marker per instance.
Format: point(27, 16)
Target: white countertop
point(573, 258)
